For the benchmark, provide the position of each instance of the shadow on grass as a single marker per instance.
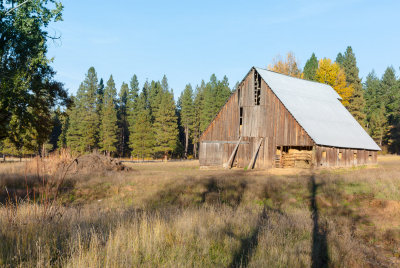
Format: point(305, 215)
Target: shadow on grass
point(249, 244)
point(319, 250)
point(195, 192)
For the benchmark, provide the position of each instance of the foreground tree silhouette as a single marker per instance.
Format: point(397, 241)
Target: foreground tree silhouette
point(28, 91)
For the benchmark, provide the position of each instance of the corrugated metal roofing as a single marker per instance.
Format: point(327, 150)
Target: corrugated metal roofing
point(317, 108)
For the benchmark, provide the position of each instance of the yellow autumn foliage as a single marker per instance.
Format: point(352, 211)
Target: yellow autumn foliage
point(331, 74)
point(288, 66)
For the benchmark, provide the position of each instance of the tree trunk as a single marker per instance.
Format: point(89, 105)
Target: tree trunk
point(195, 150)
point(39, 150)
point(123, 143)
point(186, 141)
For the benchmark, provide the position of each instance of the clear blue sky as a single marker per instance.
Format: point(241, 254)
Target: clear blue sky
point(190, 40)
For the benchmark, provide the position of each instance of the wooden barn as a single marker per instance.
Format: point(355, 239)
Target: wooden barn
point(274, 120)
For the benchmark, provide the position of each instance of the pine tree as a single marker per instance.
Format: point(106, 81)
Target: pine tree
point(164, 83)
point(356, 102)
point(187, 114)
point(84, 121)
point(99, 96)
point(198, 104)
point(311, 68)
point(23, 142)
point(56, 130)
point(74, 135)
point(378, 125)
point(390, 91)
point(339, 58)
point(165, 125)
point(141, 138)
point(123, 120)
point(155, 93)
point(132, 98)
point(373, 99)
point(90, 118)
point(371, 86)
point(109, 127)
point(208, 104)
point(222, 93)
point(131, 105)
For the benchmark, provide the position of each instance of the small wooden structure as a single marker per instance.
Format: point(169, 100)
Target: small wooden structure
point(273, 120)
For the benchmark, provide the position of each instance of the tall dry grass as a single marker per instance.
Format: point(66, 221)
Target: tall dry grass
point(175, 215)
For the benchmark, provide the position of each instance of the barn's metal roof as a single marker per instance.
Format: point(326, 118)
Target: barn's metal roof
point(317, 108)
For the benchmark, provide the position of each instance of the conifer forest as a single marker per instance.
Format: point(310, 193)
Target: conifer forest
point(143, 120)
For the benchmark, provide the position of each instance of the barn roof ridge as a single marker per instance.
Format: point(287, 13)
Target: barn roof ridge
point(255, 67)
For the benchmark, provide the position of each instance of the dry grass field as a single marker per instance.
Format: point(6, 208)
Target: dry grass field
point(176, 215)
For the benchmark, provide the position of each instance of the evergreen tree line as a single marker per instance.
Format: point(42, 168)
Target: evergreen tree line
point(144, 121)
point(139, 122)
point(374, 103)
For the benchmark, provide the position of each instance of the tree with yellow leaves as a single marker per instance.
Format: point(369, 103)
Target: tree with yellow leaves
point(331, 74)
point(289, 66)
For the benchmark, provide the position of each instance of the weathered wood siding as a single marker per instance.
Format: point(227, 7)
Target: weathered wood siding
point(343, 157)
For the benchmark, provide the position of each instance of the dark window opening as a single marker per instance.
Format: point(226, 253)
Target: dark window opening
point(257, 88)
point(240, 120)
point(241, 116)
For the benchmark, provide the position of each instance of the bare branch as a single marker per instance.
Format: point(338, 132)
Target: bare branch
point(14, 8)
